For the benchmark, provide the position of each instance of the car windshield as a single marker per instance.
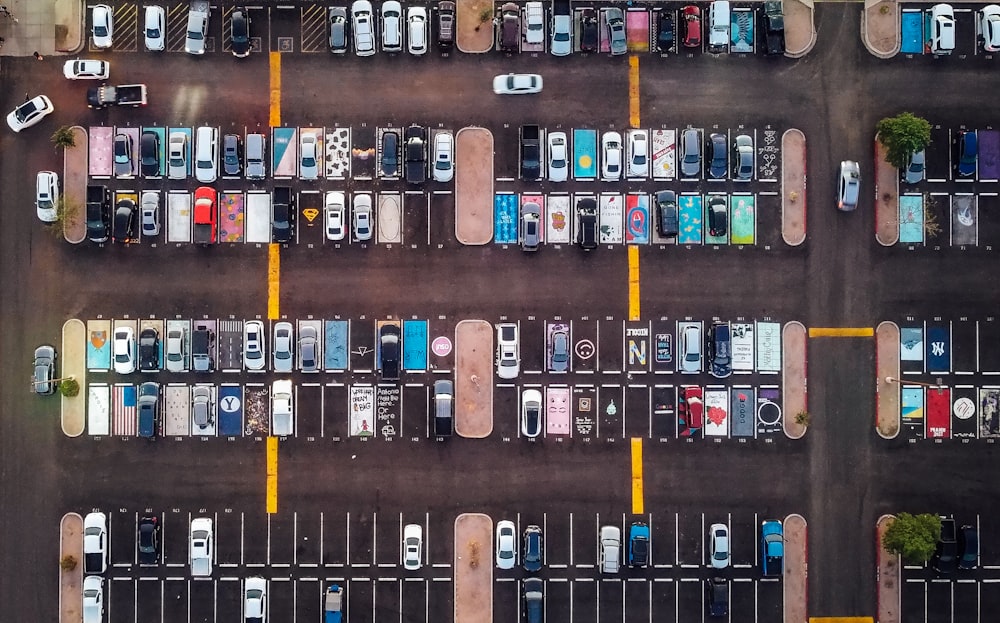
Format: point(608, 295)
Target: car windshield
point(25, 111)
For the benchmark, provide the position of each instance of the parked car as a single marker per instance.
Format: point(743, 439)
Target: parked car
point(232, 156)
point(308, 350)
point(638, 153)
point(283, 347)
point(743, 158)
point(968, 547)
point(720, 351)
point(717, 164)
point(914, 171)
point(616, 31)
point(718, 545)
point(718, 216)
point(390, 154)
point(667, 223)
point(586, 215)
point(154, 29)
point(446, 24)
point(149, 540)
point(416, 30)
point(388, 351)
point(534, 23)
point(202, 411)
point(334, 215)
point(86, 70)
point(338, 29)
point(690, 349)
point(561, 43)
point(638, 544)
point(945, 558)
point(255, 600)
point(559, 349)
point(47, 196)
point(530, 226)
point(968, 152)
point(849, 187)
point(942, 29)
point(239, 23)
point(43, 367)
point(665, 30)
point(308, 163)
point(531, 413)
point(174, 354)
point(717, 596)
point(197, 31)
point(124, 222)
point(364, 30)
point(558, 157)
point(506, 545)
point(611, 156)
point(362, 215)
point(149, 154)
point(177, 156)
point(282, 408)
point(534, 600)
point(691, 16)
point(611, 547)
point(123, 155)
point(510, 27)
point(149, 350)
point(93, 599)
point(392, 26)
point(29, 113)
point(989, 27)
point(690, 153)
point(102, 26)
point(95, 543)
point(444, 157)
point(443, 412)
point(589, 34)
point(200, 546)
point(533, 552)
point(123, 350)
point(508, 357)
point(254, 346)
point(413, 545)
point(517, 84)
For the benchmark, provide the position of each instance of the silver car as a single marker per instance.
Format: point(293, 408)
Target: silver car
point(123, 155)
point(690, 153)
point(283, 347)
point(530, 226)
point(690, 352)
point(308, 167)
point(201, 406)
point(177, 154)
point(616, 31)
point(254, 348)
point(308, 349)
point(362, 215)
point(197, 30)
point(44, 367)
point(915, 168)
point(849, 186)
point(150, 213)
point(559, 349)
point(174, 353)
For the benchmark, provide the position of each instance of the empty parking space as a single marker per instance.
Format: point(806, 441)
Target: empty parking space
point(611, 600)
point(361, 538)
point(387, 602)
point(637, 411)
point(585, 592)
point(585, 345)
point(335, 528)
point(251, 537)
point(308, 599)
point(611, 412)
point(336, 402)
point(609, 348)
point(584, 539)
point(532, 336)
point(558, 591)
point(308, 538)
point(506, 598)
point(557, 529)
point(308, 411)
point(637, 601)
point(413, 599)
point(388, 539)
point(281, 539)
point(413, 424)
point(211, 598)
point(441, 220)
point(148, 599)
point(691, 539)
point(416, 219)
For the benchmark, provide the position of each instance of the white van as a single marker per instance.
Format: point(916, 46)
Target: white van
point(206, 162)
point(392, 26)
point(942, 29)
point(718, 27)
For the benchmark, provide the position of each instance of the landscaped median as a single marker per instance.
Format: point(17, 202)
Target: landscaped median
point(473, 567)
point(796, 569)
point(887, 383)
point(889, 576)
point(73, 409)
point(793, 187)
point(474, 379)
point(794, 379)
point(71, 568)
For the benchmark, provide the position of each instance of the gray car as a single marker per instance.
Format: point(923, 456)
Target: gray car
point(616, 31)
point(44, 370)
point(743, 158)
point(690, 153)
point(338, 29)
point(915, 168)
point(530, 226)
point(123, 155)
point(308, 350)
point(559, 351)
point(175, 358)
point(201, 406)
point(849, 186)
point(283, 349)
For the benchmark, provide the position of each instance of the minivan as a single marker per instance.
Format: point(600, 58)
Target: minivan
point(392, 26)
point(207, 154)
point(718, 26)
point(255, 168)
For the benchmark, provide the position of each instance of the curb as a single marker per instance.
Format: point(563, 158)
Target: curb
point(462, 6)
point(475, 130)
point(79, 222)
point(73, 411)
point(800, 575)
point(784, 235)
point(804, 397)
point(71, 582)
point(881, 389)
point(813, 36)
point(894, 214)
point(465, 610)
point(468, 383)
point(897, 29)
point(888, 609)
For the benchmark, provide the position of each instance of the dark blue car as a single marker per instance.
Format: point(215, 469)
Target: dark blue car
point(968, 151)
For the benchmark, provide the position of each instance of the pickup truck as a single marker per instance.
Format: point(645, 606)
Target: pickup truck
point(531, 153)
point(123, 95)
point(98, 221)
point(197, 27)
point(204, 215)
point(333, 606)
point(201, 546)
point(773, 27)
point(772, 548)
point(533, 600)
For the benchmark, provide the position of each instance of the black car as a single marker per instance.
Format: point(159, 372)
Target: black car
point(586, 217)
point(773, 27)
point(388, 340)
point(968, 547)
point(149, 154)
point(124, 221)
point(945, 559)
point(231, 155)
point(665, 31)
point(588, 31)
point(338, 29)
point(416, 163)
point(446, 24)
point(281, 223)
point(149, 350)
point(717, 596)
point(666, 213)
point(720, 351)
point(240, 22)
point(533, 557)
point(149, 541)
point(718, 217)
point(390, 154)
point(718, 155)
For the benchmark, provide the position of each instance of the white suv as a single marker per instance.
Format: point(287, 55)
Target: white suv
point(364, 32)
point(47, 196)
point(508, 361)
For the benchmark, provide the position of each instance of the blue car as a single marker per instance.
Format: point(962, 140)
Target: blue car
point(968, 151)
point(638, 545)
point(772, 547)
point(532, 558)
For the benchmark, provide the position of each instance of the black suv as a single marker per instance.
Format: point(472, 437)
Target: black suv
point(149, 350)
point(390, 154)
point(666, 213)
point(416, 163)
point(586, 217)
point(388, 340)
point(124, 221)
point(665, 31)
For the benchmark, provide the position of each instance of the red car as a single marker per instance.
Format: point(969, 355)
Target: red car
point(204, 215)
point(689, 411)
point(692, 26)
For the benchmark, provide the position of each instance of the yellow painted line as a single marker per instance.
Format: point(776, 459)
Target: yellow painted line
point(633, 91)
point(841, 332)
point(633, 282)
point(275, 92)
point(272, 475)
point(637, 505)
point(273, 280)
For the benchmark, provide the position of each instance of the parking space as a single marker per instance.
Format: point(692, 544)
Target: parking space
point(361, 539)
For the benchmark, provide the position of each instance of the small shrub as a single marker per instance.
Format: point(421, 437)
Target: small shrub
point(802, 418)
point(68, 563)
point(69, 388)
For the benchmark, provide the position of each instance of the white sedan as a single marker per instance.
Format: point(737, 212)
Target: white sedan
point(506, 545)
point(29, 113)
point(87, 70)
point(517, 84)
point(334, 210)
point(103, 27)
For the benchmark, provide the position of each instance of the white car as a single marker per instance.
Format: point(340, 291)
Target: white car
point(558, 157)
point(282, 409)
point(103, 28)
point(989, 27)
point(153, 29)
point(93, 599)
point(416, 30)
point(413, 545)
point(95, 543)
point(29, 113)
point(531, 413)
point(123, 350)
point(284, 341)
point(444, 157)
point(86, 70)
point(362, 215)
point(174, 351)
point(254, 345)
point(534, 23)
point(201, 546)
point(562, 35)
point(364, 31)
point(197, 30)
point(718, 545)
point(255, 600)
point(335, 211)
point(611, 548)
point(392, 26)
point(508, 359)
point(308, 167)
point(638, 154)
point(506, 545)
point(611, 156)
point(177, 167)
point(149, 212)
point(517, 84)
point(47, 196)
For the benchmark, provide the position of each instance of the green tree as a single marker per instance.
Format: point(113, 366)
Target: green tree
point(64, 137)
point(913, 537)
point(902, 136)
point(69, 387)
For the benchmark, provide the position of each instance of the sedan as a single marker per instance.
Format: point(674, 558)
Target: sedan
point(149, 154)
point(362, 215)
point(989, 27)
point(123, 350)
point(308, 350)
point(530, 226)
point(174, 353)
point(334, 215)
point(692, 26)
point(123, 155)
point(240, 23)
point(531, 413)
point(616, 31)
point(718, 216)
point(638, 154)
point(87, 70)
point(743, 158)
point(149, 541)
point(562, 35)
point(29, 113)
point(255, 600)
point(254, 348)
point(283, 346)
point(149, 213)
point(338, 29)
point(915, 168)
point(558, 157)
point(559, 353)
point(517, 84)
point(47, 196)
point(103, 26)
point(93, 599)
point(690, 153)
point(611, 156)
point(717, 164)
point(177, 167)
point(44, 370)
point(968, 152)
point(413, 545)
point(718, 545)
point(533, 552)
point(444, 157)
point(849, 188)
point(665, 31)
point(231, 155)
point(153, 28)
point(506, 545)
point(308, 168)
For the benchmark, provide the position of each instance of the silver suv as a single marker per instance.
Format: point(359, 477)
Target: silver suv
point(690, 153)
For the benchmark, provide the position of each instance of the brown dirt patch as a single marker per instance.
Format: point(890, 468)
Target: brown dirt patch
point(793, 187)
point(473, 34)
point(887, 364)
point(474, 378)
point(474, 186)
point(793, 377)
point(74, 181)
point(796, 571)
point(886, 199)
point(889, 568)
point(473, 566)
point(71, 582)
